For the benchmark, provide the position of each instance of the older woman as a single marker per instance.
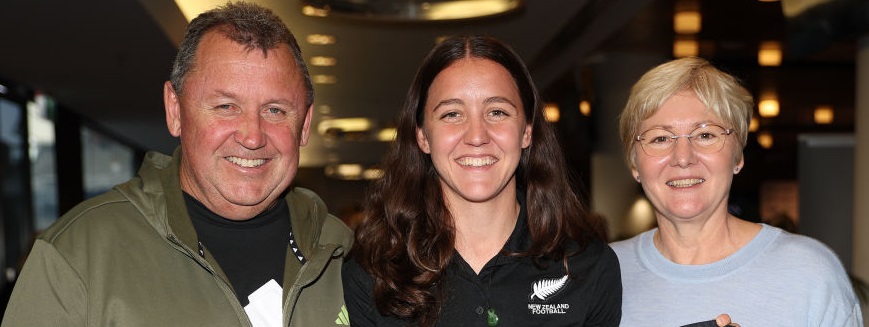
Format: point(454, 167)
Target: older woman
point(683, 130)
point(474, 222)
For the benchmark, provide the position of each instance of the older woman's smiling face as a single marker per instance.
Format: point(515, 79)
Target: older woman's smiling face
point(686, 184)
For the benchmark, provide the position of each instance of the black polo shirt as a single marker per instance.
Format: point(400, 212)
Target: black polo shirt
point(520, 293)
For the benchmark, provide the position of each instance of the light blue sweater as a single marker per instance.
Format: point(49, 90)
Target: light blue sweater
point(777, 279)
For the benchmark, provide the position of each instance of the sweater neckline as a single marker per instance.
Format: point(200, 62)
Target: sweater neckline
point(660, 265)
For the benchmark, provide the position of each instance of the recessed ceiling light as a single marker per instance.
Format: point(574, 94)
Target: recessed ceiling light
point(410, 10)
point(823, 115)
point(322, 61)
point(321, 39)
point(324, 79)
point(315, 11)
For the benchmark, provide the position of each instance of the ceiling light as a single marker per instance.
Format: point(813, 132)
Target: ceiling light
point(551, 112)
point(344, 125)
point(372, 173)
point(321, 39)
point(765, 140)
point(768, 106)
point(461, 9)
point(685, 47)
point(687, 22)
point(410, 10)
point(324, 79)
point(314, 11)
point(387, 134)
point(344, 171)
point(823, 114)
point(769, 53)
point(353, 172)
point(322, 61)
point(191, 9)
point(585, 108)
point(754, 124)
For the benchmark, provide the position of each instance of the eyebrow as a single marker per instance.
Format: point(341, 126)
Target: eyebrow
point(491, 100)
point(447, 102)
point(230, 95)
point(670, 127)
point(487, 101)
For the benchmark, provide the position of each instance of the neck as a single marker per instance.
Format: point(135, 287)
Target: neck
point(482, 229)
point(703, 242)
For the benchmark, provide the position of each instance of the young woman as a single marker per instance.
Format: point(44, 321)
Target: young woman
point(475, 222)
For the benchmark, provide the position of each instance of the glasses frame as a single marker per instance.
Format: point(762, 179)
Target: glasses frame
point(639, 138)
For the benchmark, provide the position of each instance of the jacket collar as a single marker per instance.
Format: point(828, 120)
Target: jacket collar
point(157, 193)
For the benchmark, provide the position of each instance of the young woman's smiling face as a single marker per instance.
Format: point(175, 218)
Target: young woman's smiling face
point(474, 129)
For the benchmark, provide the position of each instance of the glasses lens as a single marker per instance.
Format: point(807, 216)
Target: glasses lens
point(708, 138)
point(656, 142)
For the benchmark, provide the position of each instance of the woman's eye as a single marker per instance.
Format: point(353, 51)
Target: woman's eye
point(705, 135)
point(451, 114)
point(659, 139)
point(499, 112)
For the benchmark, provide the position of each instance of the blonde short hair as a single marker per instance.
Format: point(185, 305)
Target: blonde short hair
point(720, 92)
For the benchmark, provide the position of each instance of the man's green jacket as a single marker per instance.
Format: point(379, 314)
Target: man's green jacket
point(129, 257)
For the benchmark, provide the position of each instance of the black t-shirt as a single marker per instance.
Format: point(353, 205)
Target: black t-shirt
point(250, 252)
point(519, 292)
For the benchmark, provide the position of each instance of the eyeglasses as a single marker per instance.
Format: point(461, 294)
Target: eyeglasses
point(706, 138)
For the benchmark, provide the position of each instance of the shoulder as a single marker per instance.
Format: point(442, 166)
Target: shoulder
point(107, 211)
point(355, 278)
point(597, 256)
point(307, 210)
point(802, 248)
point(629, 247)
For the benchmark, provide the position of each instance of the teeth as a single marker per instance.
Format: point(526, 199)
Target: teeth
point(686, 182)
point(246, 163)
point(477, 162)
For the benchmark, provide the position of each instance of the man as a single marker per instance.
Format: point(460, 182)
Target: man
point(214, 235)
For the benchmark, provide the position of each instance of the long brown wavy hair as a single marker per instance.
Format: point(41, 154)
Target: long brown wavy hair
point(408, 237)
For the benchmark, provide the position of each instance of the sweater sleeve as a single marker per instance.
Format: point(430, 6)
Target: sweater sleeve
point(48, 293)
point(359, 295)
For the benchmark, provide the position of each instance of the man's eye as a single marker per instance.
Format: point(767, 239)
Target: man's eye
point(276, 111)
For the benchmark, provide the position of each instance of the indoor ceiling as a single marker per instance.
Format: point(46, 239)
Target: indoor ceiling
point(108, 59)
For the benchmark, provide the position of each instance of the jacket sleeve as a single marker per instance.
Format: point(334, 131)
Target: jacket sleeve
point(358, 295)
point(48, 292)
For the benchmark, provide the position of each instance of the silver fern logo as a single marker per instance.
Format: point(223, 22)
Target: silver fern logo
point(545, 288)
point(542, 291)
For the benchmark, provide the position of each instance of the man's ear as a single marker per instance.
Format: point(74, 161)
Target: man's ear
point(173, 109)
point(422, 141)
point(306, 126)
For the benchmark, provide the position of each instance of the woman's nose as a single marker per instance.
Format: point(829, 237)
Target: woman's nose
point(683, 154)
point(477, 133)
